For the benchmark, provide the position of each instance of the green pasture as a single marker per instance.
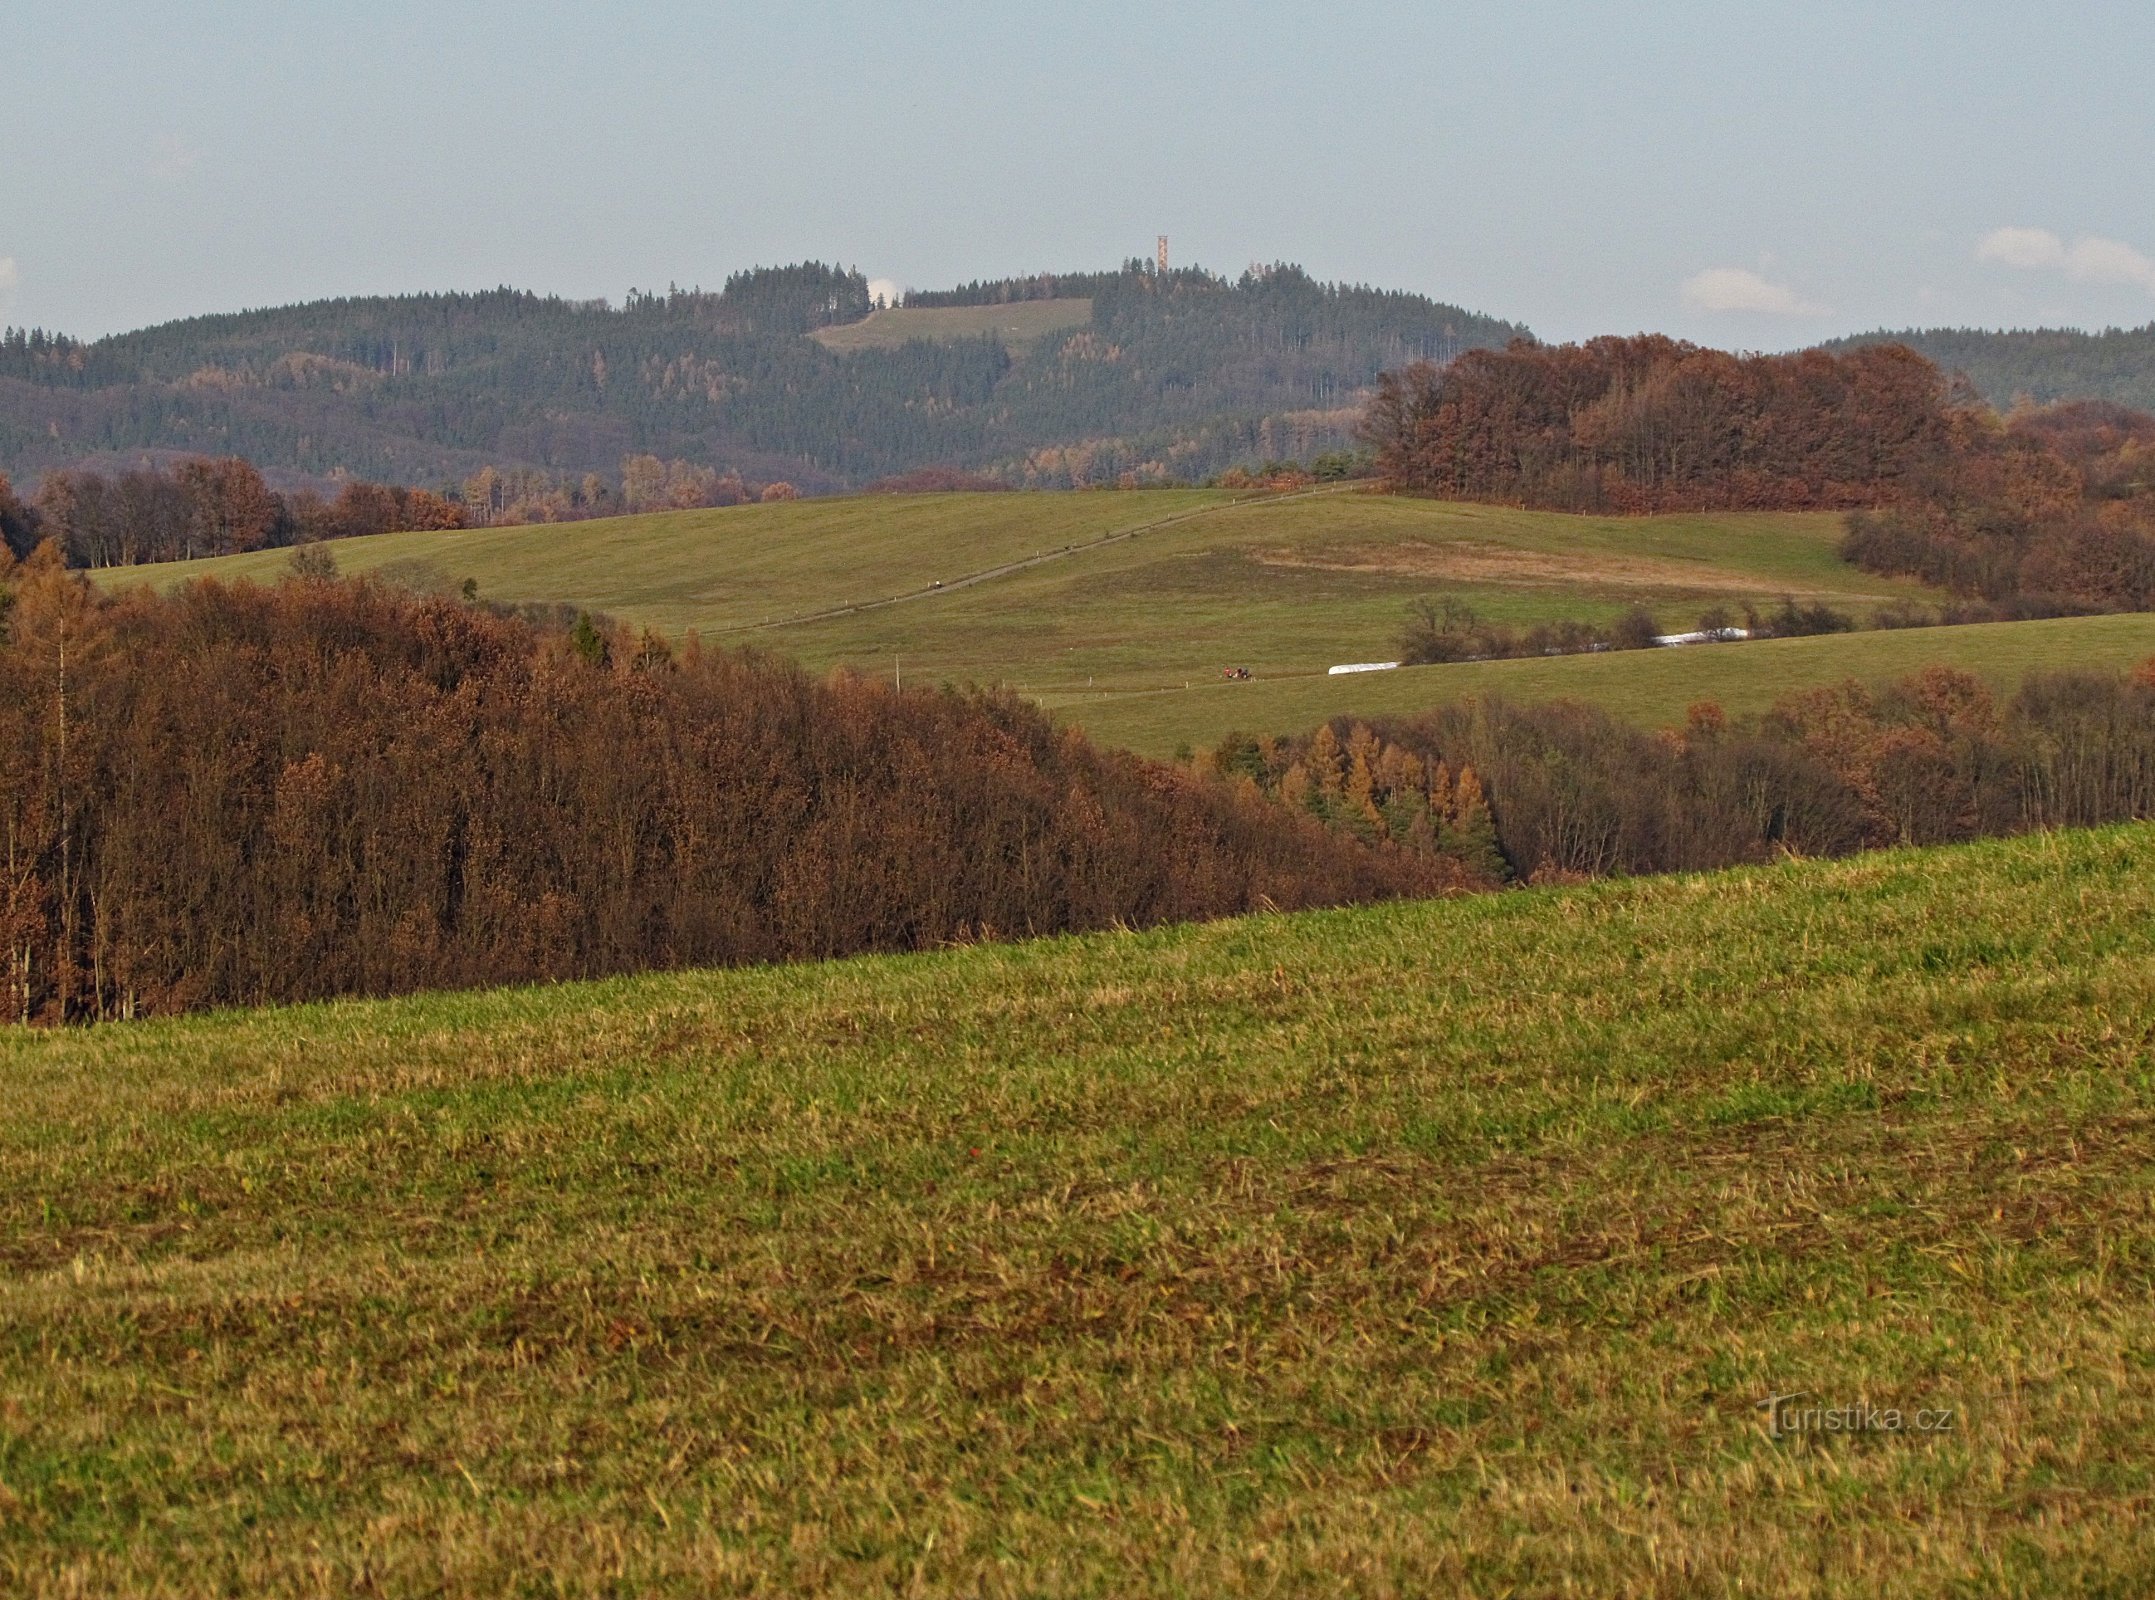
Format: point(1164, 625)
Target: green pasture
point(1650, 687)
point(1066, 594)
point(1443, 1248)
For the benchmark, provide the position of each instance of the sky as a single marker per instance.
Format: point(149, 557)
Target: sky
point(1753, 175)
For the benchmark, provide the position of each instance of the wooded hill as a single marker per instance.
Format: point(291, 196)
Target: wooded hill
point(2039, 364)
point(1174, 375)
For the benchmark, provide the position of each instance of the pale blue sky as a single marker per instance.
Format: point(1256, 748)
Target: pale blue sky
point(1807, 169)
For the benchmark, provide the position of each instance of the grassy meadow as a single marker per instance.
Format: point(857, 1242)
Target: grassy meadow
point(1124, 632)
point(1019, 325)
point(1653, 688)
point(734, 573)
point(1157, 589)
point(1431, 1248)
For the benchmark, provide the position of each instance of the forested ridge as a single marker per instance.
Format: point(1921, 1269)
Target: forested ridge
point(1176, 376)
point(2036, 364)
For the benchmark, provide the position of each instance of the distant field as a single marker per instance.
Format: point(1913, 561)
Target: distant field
point(1283, 586)
point(1127, 633)
point(1651, 687)
point(736, 568)
point(1017, 324)
point(1426, 1249)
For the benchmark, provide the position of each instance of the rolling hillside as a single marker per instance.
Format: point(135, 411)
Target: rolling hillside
point(1444, 1247)
point(1155, 591)
point(1119, 611)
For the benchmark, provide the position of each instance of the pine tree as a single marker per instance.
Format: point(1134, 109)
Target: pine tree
point(589, 643)
point(1472, 836)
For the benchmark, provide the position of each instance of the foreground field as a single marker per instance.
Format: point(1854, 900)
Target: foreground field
point(1434, 1248)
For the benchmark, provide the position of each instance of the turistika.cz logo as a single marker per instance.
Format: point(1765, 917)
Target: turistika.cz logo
point(1787, 1416)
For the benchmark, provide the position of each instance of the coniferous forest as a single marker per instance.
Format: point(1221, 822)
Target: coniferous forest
point(1173, 376)
point(2039, 365)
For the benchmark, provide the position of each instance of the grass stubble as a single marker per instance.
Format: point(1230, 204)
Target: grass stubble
point(1445, 1247)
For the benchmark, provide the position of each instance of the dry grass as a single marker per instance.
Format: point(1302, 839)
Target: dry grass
point(1467, 561)
point(1424, 1249)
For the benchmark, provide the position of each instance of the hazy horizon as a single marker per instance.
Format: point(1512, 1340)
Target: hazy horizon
point(1760, 176)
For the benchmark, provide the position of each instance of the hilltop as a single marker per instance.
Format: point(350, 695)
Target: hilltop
point(788, 373)
point(1428, 1247)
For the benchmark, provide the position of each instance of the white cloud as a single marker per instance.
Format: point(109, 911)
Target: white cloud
point(2032, 248)
point(2089, 259)
point(1740, 289)
point(2110, 261)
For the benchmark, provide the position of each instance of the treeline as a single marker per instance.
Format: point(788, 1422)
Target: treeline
point(515, 499)
point(2038, 365)
point(1554, 793)
point(246, 795)
point(796, 299)
point(204, 507)
point(1176, 378)
point(201, 507)
point(2044, 511)
point(2048, 510)
point(1017, 291)
point(1654, 424)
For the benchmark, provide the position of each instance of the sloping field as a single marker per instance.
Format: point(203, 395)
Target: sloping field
point(1281, 585)
point(1651, 687)
point(1438, 1248)
point(1119, 610)
point(1018, 324)
point(735, 569)
point(1292, 586)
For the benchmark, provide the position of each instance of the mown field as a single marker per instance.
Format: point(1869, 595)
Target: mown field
point(1653, 688)
point(1018, 325)
point(735, 572)
point(1433, 1248)
point(1125, 632)
point(1281, 585)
